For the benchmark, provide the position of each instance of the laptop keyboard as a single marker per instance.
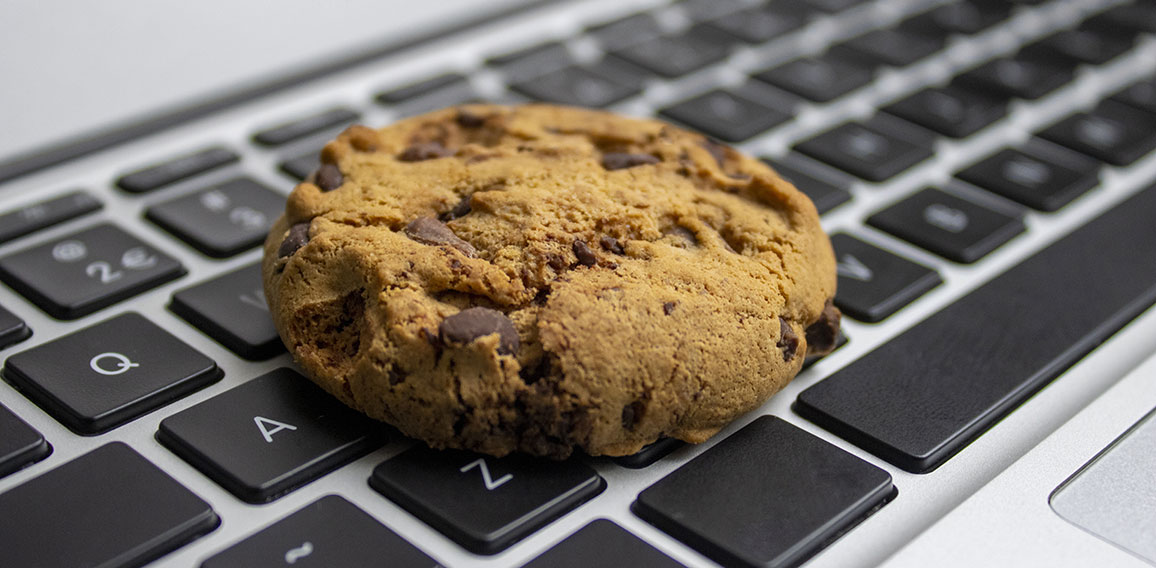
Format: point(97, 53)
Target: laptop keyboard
point(954, 149)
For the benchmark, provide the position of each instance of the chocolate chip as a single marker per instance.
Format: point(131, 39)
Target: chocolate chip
point(611, 244)
point(668, 307)
point(632, 414)
point(585, 255)
point(717, 151)
point(328, 177)
point(467, 119)
point(298, 236)
point(462, 209)
point(788, 341)
point(622, 160)
point(430, 231)
point(555, 261)
point(468, 325)
point(422, 151)
point(823, 335)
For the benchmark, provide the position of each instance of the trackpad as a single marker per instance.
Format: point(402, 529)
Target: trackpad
point(1114, 495)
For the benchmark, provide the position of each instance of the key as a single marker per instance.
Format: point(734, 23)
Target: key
point(875, 150)
point(963, 18)
point(602, 543)
point(422, 88)
point(44, 214)
point(598, 85)
point(12, 329)
point(109, 507)
point(832, 6)
point(305, 126)
point(678, 55)
point(951, 111)
point(1136, 17)
point(819, 79)
point(177, 169)
point(221, 220)
point(1023, 76)
point(484, 504)
point(726, 115)
point(1112, 132)
point(701, 10)
point(1082, 45)
point(532, 61)
point(102, 376)
point(231, 309)
point(650, 453)
point(758, 25)
point(825, 189)
point(20, 445)
point(269, 436)
point(768, 495)
point(81, 273)
point(923, 396)
point(873, 283)
point(627, 31)
point(947, 225)
point(301, 166)
point(431, 94)
point(1039, 175)
point(896, 47)
point(328, 532)
point(1140, 95)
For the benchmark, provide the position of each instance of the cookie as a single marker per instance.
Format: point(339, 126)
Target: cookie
point(544, 279)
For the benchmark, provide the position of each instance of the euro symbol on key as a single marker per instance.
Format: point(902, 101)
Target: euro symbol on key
point(123, 364)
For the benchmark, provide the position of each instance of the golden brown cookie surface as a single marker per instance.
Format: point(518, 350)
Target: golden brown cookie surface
point(542, 279)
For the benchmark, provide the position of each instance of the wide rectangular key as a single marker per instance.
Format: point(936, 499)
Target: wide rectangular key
point(875, 150)
point(424, 87)
point(950, 226)
point(305, 126)
point(269, 436)
point(1113, 132)
point(43, 214)
point(726, 115)
point(532, 61)
point(221, 220)
point(12, 329)
point(20, 445)
point(873, 283)
point(677, 55)
point(768, 495)
point(329, 532)
point(231, 308)
point(484, 504)
point(76, 275)
point(102, 376)
point(602, 543)
point(177, 169)
point(924, 395)
point(1040, 175)
point(109, 508)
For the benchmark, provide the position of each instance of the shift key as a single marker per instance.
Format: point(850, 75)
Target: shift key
point(920, 398)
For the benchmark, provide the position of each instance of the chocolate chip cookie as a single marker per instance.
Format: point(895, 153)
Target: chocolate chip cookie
point(544, 279)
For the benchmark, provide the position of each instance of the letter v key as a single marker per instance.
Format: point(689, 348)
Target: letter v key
point(853, 268)
point(491, 484)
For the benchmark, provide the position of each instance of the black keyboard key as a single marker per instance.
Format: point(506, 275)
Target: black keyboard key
point(701, 10)
point(110, 507)
point(302, 127)
point(876, 150)
point(1140, 95)
point(949, 226)
point(172, 171)
point(76, 275)
point(819, 79)
point(43, 214)
point(301, 166)
point(951, 111)
point(12, 329)
point(221, 220)
point(873, 283)
point(985, 354)
point(1038, 174)
point(726, 115)
point(532, 61)
point(677, 55)
point(328, 532)
point(1084, 45)
point(590, 86)
point(962, 18)
point(231, 309)
point(484, 504)
point(627, 31)
point(602, 543)
point(768, 495)
point(1132, 18)
point(422, 88)
point(650, 453)
point(20, 445)
point(1024, 76)
point(1112, 132)
point(832, 6)
point(758, 25)
point(269, 436)
point(102, 376)
point(826, 191)
point(896, 47)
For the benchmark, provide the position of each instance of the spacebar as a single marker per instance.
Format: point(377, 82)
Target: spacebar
point(921, 397)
